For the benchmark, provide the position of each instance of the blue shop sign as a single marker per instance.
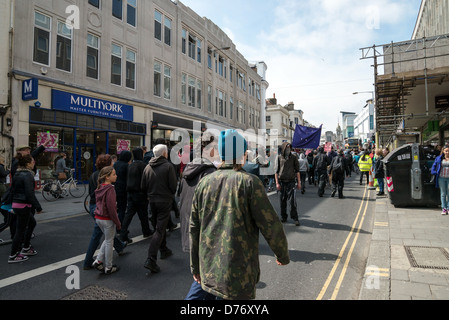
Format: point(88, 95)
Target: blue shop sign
point(65, 101)
point(30, 89)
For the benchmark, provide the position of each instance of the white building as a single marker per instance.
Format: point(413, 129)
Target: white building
point(364, 126)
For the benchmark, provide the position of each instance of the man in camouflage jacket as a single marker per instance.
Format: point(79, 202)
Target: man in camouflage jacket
point(229, 209)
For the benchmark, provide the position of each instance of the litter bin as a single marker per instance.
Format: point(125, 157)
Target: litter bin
point(408, 178)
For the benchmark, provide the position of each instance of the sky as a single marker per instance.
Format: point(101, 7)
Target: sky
point(312, 47)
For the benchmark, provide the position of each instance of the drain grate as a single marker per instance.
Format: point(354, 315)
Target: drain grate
point(97, 293)
point(428, 257)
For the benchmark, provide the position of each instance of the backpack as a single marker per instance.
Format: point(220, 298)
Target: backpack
point(337, 166)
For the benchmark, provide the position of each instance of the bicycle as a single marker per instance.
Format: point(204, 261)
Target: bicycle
point(54, 189)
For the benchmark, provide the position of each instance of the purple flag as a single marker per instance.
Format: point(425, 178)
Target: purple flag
point(306, 137)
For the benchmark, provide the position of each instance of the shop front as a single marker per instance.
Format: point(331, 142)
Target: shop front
point(83, 128)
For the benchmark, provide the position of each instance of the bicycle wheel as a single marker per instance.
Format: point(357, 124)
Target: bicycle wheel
point(86, 203)
point(51, 191)
point(76, 189)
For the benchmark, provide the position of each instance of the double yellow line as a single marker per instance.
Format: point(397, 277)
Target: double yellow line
point(353, 231)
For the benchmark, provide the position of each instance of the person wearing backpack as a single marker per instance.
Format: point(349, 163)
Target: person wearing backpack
point(337, 169)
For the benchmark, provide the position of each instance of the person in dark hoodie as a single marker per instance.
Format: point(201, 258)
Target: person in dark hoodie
point(287, 177)
point(121, 168)
point(192, 174)
point(137, 201)
point(106, 218)
point(159, 182)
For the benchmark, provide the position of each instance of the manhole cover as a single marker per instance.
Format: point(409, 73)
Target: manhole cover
point(427, 257)
point(96, 293)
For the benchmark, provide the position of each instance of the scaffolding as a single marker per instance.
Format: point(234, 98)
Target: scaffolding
point(406, 65)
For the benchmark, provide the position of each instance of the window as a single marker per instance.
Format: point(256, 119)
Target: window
point(157, 78)
point(220, 66)
point(231, 73)
point(167, 31)
point(131, 12)
point(116, 65)
point(184, 41)
point(209, 98)
point(198, 51)
point(183, 88)
point(64, 47)
point(268, 118)
point(42, 30)
point(231, 108)
point(95, 3)
point(199, 94)
point(209, 58)
point(117, 9)
point(167, 82)
point(192, 46)
point(93, 45)
point(191, 92)
point(220, 104)
point(158, 25)
point(130, 69)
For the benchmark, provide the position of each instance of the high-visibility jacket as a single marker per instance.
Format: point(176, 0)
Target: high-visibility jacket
point(365, 165)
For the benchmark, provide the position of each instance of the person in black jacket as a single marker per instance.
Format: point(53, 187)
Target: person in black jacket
point(121, 169)
point(23, 202)
point(320, 164)
point(379, 172)
point(137, 201)
point(159, 183)
point(338, 170)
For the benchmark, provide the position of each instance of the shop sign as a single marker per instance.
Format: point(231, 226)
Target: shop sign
point(30, 89)
point(65, 101)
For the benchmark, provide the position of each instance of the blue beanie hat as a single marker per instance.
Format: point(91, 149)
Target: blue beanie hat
point(231, 145)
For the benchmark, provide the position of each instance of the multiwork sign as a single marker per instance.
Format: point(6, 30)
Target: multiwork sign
point(66, 101)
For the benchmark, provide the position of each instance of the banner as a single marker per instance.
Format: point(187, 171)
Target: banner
point(306, 137)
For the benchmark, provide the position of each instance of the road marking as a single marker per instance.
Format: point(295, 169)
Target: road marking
point(348, 258)
point(381, 224)
point(340, 255)
point(51, 267)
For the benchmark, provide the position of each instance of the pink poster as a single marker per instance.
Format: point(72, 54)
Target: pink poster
point(123, 145)
point(53, 145)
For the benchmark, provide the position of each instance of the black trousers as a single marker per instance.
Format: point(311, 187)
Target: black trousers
point(338, 182)
point(364, 173)
point(161, 214)
point(25, 224)
point(137, 203)
point(288, 193)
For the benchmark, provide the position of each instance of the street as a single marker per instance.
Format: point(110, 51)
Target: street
point(328, 256)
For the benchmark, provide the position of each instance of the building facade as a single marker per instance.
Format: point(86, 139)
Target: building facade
point(433, 19)
point(105, 76)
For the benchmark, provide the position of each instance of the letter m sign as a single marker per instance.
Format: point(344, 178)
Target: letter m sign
point(30, 89)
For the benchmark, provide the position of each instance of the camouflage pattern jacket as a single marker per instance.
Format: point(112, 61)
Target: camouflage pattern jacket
point(229, 209)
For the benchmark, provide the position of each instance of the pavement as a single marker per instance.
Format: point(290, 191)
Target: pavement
point(409, 254)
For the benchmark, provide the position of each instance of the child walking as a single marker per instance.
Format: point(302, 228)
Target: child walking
point(106, 218)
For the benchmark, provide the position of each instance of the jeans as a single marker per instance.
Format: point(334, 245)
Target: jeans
point(288, 193)
point(444, 186)
point(197, 293)
point(381, 183)
point(161, 214)
point(338, 182)
point(25, 224)
point(107, 247)
point(95, 241)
